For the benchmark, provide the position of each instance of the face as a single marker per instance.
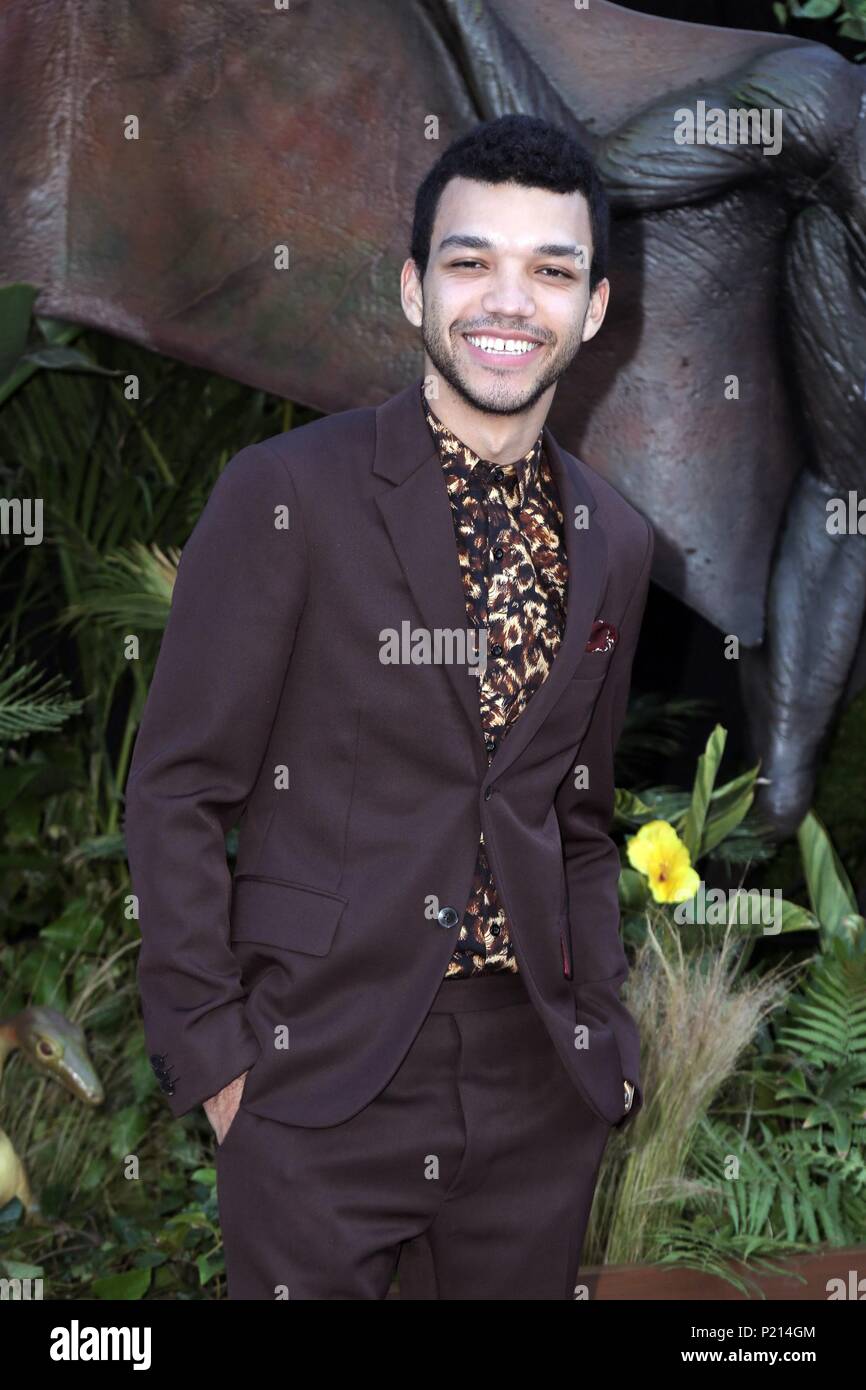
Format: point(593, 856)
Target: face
point(505, 302)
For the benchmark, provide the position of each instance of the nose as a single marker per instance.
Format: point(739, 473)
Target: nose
point(510, 296)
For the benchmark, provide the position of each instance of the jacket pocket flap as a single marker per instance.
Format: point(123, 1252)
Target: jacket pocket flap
point(293, 916)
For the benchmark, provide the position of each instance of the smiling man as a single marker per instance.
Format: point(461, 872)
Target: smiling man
point(402, 1013)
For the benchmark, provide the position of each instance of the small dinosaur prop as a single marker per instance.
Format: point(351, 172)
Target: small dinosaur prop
point(56, 1047)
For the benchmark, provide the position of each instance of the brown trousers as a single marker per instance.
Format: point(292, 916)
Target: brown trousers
point(471, 1174)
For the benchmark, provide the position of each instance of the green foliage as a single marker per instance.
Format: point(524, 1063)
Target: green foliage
point(830, 890)
point(753, 1199)
point(31, 703)
point(790, 1175)
point(848, 15)
point(124, 447)
point(840, 797)
point(715, 823)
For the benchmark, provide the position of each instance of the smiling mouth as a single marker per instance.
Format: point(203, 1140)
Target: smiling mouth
point(495, 346)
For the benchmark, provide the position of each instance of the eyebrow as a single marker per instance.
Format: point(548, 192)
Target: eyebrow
point(480, 243)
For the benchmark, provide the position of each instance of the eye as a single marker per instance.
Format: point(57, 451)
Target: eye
point(549, 270)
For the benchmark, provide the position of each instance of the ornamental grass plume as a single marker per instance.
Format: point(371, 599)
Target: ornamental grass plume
point(695, 1024)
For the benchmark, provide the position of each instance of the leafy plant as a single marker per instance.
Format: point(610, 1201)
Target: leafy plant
point(848, 15)
point(31, 703)
point(123, 446)
point(685, 1185)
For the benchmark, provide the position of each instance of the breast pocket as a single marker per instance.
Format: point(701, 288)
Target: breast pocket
point(593, 666)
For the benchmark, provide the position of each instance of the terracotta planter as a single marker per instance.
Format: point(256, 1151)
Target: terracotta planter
point(807, 1277)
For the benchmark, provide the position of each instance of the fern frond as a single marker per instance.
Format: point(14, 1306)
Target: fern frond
point(31, 703)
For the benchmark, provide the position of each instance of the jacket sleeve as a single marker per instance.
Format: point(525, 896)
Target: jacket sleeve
point(592, 863)
point(238, 598)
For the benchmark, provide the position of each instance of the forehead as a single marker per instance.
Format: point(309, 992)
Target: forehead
point(513, 217)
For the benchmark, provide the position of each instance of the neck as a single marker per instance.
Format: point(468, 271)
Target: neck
point(496, 438)
point(8, 1041)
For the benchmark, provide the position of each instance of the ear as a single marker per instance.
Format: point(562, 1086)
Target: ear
point(411, 293)
point(596, 310)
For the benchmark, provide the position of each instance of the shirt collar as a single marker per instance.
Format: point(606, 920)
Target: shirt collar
point(462, 463)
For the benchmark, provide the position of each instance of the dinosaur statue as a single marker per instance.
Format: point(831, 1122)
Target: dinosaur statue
point(55, 1047)
point(235, 189)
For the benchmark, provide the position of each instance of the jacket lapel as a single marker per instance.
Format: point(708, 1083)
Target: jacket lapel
point(417, 514)
point(586, 548)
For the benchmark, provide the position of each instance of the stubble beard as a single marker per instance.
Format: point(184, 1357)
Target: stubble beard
point(503, 397)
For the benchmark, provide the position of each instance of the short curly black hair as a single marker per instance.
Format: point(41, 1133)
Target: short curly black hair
point(515, 149)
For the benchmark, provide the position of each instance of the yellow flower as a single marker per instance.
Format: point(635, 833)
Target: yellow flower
point(657, 851)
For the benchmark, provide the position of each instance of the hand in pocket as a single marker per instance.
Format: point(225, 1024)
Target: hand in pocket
point(222, 1108)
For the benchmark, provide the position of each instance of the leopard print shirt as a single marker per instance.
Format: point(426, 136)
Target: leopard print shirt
point(510, 537)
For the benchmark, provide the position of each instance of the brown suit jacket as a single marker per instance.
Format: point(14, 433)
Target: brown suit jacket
point(361, 787)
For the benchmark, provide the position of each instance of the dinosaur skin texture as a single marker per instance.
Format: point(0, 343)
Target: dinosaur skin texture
point(309, 128)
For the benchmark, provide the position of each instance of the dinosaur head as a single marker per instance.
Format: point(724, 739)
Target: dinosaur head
point(56, 1046)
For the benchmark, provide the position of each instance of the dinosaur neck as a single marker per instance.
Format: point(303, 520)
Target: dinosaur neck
point(8, 1042)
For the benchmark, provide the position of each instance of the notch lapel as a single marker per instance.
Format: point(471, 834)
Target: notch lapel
point(586, 549)
point(417, 514)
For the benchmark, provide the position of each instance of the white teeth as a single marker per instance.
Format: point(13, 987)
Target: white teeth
point(513, 345)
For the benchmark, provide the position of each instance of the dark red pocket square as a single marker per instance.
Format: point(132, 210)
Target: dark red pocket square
point(602, 636)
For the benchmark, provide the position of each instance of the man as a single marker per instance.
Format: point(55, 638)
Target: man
point(399, 653)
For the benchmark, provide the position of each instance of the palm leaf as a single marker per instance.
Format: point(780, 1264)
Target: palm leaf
point(31, 703)
point(130, 590)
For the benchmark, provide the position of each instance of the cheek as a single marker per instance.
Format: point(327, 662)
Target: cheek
point(453, 312)
point(569, 334)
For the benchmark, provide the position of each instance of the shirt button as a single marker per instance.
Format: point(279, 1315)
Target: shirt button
point(494, 931)
point(489, 743)
point(498, 475)
point(496, 649)
point(448, 917)
point(498, 553)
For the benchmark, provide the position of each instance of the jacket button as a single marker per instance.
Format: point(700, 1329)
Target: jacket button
point(448, 917)
point(488, 792)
